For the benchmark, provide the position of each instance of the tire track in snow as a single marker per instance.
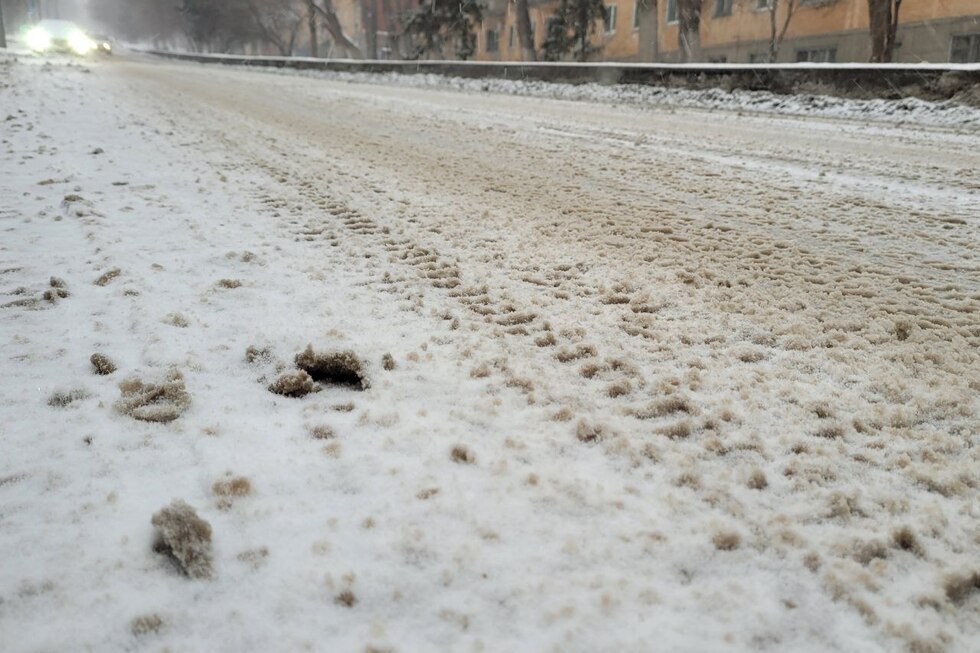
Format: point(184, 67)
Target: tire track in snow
point(777, 324)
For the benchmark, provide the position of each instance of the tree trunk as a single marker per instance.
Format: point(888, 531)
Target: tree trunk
point(370, 21)
point(336, 31)
point(582, 26)
point(776, 38)
point(393, 11)
point(524, 35)
point(293, 35)
point(773, 48)
point(689, 29)
point(311, 21)
point(268, 34)
point(892, 31)
point(878, 24)
point(654, 8)
point(3, 33)
point(883, 25)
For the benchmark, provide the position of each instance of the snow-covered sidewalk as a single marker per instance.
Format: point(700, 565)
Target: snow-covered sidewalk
point(577, 433)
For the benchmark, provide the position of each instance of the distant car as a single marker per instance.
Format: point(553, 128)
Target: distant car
point(103, 44)
point(60, 36)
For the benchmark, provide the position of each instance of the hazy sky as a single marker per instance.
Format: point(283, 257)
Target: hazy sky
point(76, 10)
point(68, 9)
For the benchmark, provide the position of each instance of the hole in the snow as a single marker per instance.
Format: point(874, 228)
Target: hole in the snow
point(334, 367)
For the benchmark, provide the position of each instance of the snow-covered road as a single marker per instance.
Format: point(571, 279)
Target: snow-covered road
point(665, 378)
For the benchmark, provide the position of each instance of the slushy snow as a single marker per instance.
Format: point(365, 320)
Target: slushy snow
point(577, 377)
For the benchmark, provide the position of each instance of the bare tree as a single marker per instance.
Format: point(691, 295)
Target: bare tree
point(524, 35)
point(369, 19)
point(217, 25)
point(434, 25)
point(689, 29)
point(883, 23)
point(332, 23)
point(140, 20)
point(570, 28)
point(277, 22)
point(313, 26)
point(776, 38)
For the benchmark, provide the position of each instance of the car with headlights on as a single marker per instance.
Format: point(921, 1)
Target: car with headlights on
point(61, 36)
point(103, 44)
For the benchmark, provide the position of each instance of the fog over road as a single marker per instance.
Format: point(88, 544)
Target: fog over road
point(665, 377)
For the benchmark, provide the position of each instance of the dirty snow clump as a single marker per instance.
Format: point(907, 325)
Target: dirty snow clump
point(334, 367)
point(103, 364)
point(293, 384)
point(184, 537)
point(154, 402)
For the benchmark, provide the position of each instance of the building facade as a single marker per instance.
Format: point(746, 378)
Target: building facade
point(738, 31)
point(617, 36)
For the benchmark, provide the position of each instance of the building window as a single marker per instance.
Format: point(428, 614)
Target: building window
point(763, 5)
point(817, 55)
point(636, 14)
point(609, 18)
point(759, 57)
point(722, 59)
point(723, 8)
point(965, 49)
point(493, 41)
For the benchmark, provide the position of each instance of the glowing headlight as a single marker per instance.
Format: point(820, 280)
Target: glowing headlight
point(80, 44)
point(38, 39)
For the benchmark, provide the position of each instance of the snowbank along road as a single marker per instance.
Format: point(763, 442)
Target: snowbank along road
point(630, 378)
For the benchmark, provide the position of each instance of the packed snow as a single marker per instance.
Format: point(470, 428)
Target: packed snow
point(819, 101)
point(300, 364)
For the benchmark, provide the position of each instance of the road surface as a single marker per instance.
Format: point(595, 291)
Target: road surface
point(664, 377)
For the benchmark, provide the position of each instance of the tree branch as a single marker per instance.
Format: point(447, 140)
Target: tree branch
point(333, 26)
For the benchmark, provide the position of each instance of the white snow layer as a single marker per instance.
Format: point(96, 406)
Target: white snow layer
point(661, 383)
point(818, 101)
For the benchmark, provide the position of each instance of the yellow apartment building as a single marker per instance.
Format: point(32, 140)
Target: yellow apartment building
point(497, 40)
point(737, 31)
